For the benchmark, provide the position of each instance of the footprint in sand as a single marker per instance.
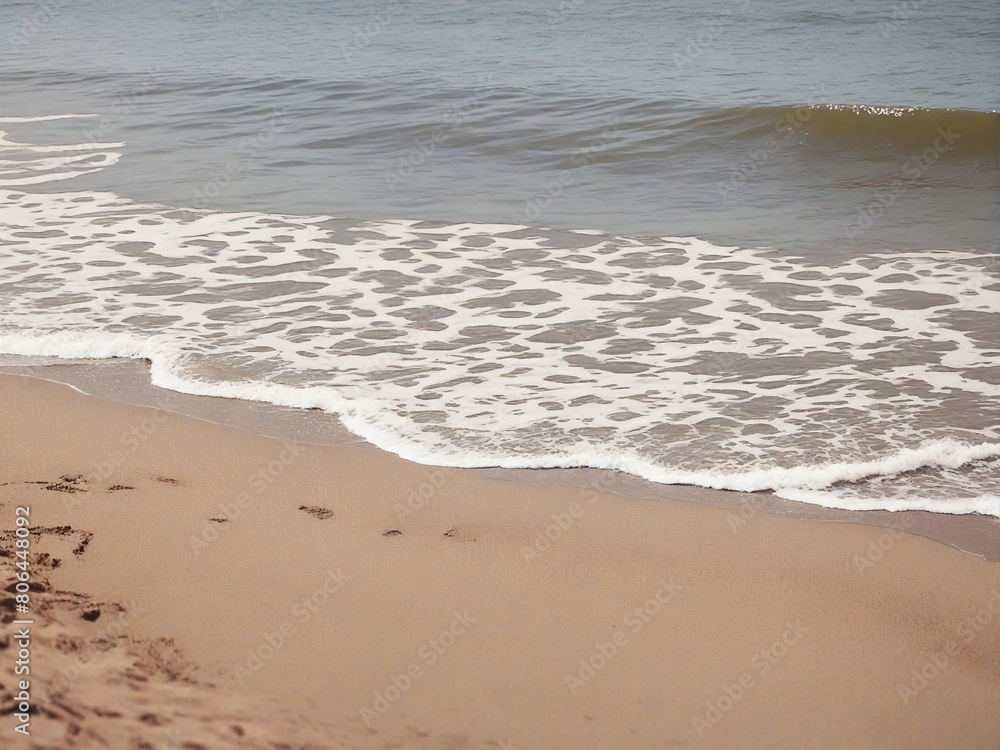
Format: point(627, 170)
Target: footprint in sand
point(317, 512)
point(68, 483)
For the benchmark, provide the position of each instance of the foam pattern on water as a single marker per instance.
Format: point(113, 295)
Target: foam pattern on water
point(868, 384)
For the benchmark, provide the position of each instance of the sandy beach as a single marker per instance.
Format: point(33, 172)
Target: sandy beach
point(199, 587)
point(526, 375)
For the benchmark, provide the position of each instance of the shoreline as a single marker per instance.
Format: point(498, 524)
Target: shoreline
point(127, 381)
point(359, 600)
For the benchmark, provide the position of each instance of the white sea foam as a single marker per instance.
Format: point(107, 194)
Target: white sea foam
point(863, 384)
point(29, 148)
point(43, 118)
point(986, 505)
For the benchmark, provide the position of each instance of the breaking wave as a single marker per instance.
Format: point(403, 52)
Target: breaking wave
point(865, 383)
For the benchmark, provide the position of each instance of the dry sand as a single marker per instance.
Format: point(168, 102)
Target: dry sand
point(197, 587)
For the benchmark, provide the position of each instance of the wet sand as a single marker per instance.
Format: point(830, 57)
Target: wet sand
point(196, 584)
point(128, 381)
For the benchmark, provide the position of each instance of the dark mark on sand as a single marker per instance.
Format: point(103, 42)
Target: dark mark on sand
point(316, 512)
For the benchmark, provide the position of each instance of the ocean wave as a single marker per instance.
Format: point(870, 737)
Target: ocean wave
point(810, 483)
point(470, 344)
point(844, 129)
